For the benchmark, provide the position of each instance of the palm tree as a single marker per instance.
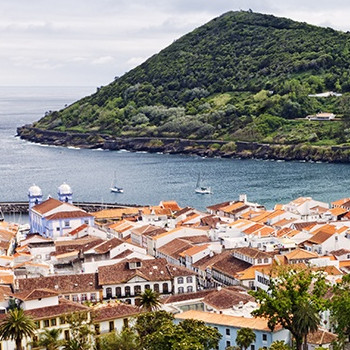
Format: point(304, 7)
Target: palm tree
point(125, 340)
point(17, 325)
point(149, 300)
point(307, 319)
point(245, 336)
point(50, 339)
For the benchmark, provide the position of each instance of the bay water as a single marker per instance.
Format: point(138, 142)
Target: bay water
point(146, 178)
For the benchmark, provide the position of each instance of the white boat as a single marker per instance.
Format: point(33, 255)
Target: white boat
point(202, 189)
point(114, 188)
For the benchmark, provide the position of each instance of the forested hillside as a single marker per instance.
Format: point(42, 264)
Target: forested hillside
point(243, 76)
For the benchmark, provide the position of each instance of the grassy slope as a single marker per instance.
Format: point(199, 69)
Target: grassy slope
point(242, 76)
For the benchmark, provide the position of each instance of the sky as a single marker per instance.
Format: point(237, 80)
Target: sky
point(89, 42)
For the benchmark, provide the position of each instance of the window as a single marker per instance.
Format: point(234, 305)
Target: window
point(118, 292)
point(180, 289)
point(83, 297)
point(266, 260)
point(75, 297)
point(156, 287)
point(67, 297)
point(259, 261)
point(111, 326)
point(57, 228)
point(128, 301)
point(180, 280)
point(264, 337)
point(62, 320)
point(86, 222)
point(125, 323)
point(228, 343)
point(137, 290)
point(109, 292)
point(37, 324)
point(165, 288)
point(93, 296)
point(46, 323)
point(189, 279)
point(97, 329)
point(66, 223)
point(66, 335)
point(127, 291)
point(228, 331)
point(147, 286)
point(252, 347)
point(53, 322)
point(189, 289)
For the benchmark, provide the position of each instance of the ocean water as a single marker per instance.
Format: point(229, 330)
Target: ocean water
point(146, 178)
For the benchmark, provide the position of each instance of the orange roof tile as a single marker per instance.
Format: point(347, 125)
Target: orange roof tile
point(226, 320)
point(194, 250)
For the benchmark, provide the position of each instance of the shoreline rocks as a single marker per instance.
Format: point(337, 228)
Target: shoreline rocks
point(203, 148)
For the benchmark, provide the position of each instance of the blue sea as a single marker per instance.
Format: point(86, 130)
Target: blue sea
point(146, 178)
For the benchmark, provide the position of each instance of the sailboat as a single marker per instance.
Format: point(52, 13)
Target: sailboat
point(202, 189)
point(114, 188)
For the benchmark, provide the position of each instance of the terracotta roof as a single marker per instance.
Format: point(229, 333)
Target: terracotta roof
point(340, 252)
point(233, 207)
point(63, 308)
point(113, 311)
point(36, 294)
point(226, 320)
point(194, 250)
point(318, 238)
point(78, 229)
point(172, 205)
point(300, 254)
point(175, 247)
point(321, 337)
point(47, 205)
point(123, 254)
point(169, 299)
point(337, 211)
point(249, 273)
point(183, 211)
point(218, 206)
point(340, 202)
point(116, 213)
point(105, 247)
point(68, 215)
point(148, 230)
point(81, 244)
point(197, 239)
point(225, 298)
point(150, 270)
point(252, 252)
point(229, 265)
point(64, 284)
point(253, 228)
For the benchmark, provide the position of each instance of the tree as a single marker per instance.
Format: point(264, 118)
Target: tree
point(125, 340)
point(292, 290)
point(16, 326)
point(340, 308)
point(50, 339)
point(157, 331)
point(279, 345)
point(81, 331)
point(245, 336)
point(307, 319)
point(149, 300)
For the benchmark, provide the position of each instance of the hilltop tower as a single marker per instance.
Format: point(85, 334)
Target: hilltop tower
point(65, 193)
point(35, 196)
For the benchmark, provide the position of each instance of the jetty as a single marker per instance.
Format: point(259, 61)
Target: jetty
point(23, 207)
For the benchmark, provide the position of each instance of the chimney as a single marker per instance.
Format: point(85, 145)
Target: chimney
point(243, 198)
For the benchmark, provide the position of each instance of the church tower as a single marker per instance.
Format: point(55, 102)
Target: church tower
point(65, 193)
point(35, 196)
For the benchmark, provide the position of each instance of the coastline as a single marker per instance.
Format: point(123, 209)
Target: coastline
point(203, 148)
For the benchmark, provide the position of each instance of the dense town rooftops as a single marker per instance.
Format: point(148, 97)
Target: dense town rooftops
point(68, 215)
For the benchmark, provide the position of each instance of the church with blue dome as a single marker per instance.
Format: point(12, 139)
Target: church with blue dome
point(52, 217)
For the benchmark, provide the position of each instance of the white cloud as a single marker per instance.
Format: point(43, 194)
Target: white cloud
point(103, 60)
point(84, 42)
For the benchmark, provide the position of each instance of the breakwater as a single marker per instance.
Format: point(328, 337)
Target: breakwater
point(22, 207)
point(204, 148)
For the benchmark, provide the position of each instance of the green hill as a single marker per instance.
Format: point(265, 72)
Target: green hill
point(242, 76)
